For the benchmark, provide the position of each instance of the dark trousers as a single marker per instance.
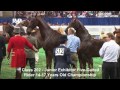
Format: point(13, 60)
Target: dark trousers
point(32, 65)
point(109, 70)
point(118, 69)
point(1, 59)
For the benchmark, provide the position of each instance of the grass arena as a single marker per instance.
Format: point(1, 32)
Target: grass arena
point(9, 73)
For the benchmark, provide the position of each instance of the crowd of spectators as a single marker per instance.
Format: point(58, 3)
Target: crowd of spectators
point(67, 14)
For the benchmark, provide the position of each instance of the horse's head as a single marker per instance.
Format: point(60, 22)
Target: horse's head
point(117, 35)
point(117, 32)
point(81, 31)
point(77, 25)
point(74, 23)
point(37, 21)
point(32, 24)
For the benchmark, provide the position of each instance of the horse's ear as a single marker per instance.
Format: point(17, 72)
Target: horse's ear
point(115, 28)
point(36, 15)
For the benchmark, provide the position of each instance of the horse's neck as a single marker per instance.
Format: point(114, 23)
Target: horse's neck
point(84, 35)
point(44, 29)
point(117, 39)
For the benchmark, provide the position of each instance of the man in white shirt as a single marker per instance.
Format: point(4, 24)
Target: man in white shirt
point(110, 52)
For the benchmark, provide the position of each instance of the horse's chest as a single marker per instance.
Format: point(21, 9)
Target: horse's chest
point(49, 43)
point(86, 46)
point(118, 41)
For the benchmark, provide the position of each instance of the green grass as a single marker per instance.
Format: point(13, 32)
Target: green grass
point(9, 73)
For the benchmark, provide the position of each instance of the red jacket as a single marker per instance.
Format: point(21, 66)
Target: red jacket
point(17, 44)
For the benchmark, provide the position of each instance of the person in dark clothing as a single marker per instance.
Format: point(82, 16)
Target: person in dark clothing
point(62, 60)
point(30, 55)
point(2, 50)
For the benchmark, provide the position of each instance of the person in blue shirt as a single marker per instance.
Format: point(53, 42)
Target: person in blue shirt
point(73, 44)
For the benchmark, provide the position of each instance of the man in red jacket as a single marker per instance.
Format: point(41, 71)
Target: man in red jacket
point(17, 44)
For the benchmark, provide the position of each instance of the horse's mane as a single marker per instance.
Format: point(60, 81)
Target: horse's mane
point(43, 22)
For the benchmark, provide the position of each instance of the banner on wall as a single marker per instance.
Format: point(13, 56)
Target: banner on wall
point(16, 21)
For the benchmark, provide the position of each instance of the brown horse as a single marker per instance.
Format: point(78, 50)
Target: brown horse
point(89, 47)
point(50, 38)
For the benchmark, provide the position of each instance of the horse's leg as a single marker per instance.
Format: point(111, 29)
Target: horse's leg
point(46, 54)
point(48, 62)
point(82, 61)
point(1, 59)
point(84, 68)
point(90, 66)
point(81, 65)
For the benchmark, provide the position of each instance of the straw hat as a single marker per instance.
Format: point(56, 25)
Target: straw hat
point(33, 31)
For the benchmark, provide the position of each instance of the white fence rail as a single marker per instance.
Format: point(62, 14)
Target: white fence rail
point(93, 30)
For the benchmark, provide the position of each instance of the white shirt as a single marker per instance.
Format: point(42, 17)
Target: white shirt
point(110, 51)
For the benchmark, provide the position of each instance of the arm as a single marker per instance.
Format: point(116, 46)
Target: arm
point(69, 42)
point(3, 47)
point(10, 46)
point(27, 43)
point(36, 43)
point(102, 50)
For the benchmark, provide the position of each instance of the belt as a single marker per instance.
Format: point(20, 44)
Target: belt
point(73, 52)
point(109, 62)
point(18, 49)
